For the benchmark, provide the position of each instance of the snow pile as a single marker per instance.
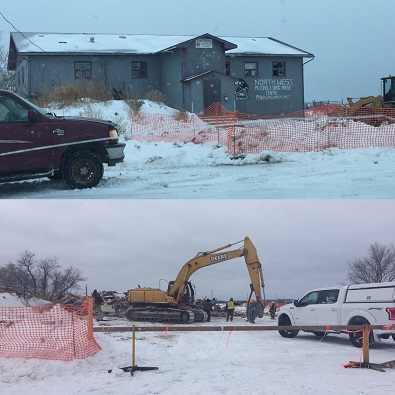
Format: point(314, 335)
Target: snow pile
point(10, 300)
point(116, 111)
point(150, 107)
point(176, 155)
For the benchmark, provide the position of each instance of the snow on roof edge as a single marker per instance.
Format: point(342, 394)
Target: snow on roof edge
point(36, 42)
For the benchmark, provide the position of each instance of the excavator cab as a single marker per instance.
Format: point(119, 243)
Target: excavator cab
point(189, 296)
point(388, 90)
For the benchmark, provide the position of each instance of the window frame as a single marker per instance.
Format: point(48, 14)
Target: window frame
point(248, 72)
point(308, 299)
point(86, 73)
point(140, 71)
point(277, 70)
point(329, 296)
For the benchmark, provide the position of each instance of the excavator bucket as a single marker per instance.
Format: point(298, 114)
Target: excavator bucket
point(254, 309)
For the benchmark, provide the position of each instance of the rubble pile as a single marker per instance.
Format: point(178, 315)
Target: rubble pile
point(109, 303)
point(70, 298)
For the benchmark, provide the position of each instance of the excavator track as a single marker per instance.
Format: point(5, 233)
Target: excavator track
point(200, 315)
point(160, 315)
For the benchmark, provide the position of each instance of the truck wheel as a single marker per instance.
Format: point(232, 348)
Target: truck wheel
point(356, 338)
point(285, 321)
point(83, 170)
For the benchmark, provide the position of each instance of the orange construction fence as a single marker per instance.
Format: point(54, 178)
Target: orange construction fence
point(59, 332)
point(315, 129)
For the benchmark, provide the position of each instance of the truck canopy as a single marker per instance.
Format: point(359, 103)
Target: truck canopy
point(382, 292)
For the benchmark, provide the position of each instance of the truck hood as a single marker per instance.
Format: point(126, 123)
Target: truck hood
point(286, 306)
point(85, 120)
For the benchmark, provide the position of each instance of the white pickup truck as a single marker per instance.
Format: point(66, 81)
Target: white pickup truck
point(372, 304)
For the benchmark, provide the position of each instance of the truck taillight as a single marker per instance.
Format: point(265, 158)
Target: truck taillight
point(391, 313)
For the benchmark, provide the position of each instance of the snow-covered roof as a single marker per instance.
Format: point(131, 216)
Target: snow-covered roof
point(264, 46)
point(141, 44)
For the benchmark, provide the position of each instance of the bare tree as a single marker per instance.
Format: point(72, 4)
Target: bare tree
point(43, 278)
point(7, 78)
point(378, 266)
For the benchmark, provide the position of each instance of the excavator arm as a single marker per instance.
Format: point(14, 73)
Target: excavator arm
point(372, 101)
point(204, 259)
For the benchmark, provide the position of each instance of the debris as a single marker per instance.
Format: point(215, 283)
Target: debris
point(109, 303)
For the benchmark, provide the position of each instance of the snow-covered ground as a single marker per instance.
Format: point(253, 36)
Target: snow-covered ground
point(176, 170)
point(206, 362)
point(217, 362)
point(9, 300)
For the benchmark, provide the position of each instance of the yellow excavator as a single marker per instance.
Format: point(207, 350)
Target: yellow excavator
point(177, 304)
point(369, 101)
point(386, 100)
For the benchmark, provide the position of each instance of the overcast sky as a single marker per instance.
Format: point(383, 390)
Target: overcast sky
point(352, 40)
point(118, 244)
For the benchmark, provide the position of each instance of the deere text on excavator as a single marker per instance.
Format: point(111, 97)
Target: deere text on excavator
point(177, 304)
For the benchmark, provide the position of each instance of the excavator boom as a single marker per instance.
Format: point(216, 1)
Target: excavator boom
point(204, 259)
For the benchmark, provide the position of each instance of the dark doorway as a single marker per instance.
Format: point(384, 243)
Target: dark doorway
point(211, 91)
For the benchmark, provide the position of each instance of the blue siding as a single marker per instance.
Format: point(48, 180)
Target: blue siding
point(263, 94)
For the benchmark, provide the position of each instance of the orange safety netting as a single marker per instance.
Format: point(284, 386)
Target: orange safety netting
point(169, 128)
point(59, 332)
point(315, 129)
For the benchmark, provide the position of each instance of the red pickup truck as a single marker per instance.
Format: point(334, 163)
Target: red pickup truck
point(35, 143)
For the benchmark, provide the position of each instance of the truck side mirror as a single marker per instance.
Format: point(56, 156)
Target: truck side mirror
point(32, 116)
point(296, 303)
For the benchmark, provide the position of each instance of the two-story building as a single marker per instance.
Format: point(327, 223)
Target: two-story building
point(259, 75)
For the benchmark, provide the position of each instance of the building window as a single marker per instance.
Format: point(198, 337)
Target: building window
point(250, 69)
point(278, 69)
point(227, 68)
point(82, 70)
point(139, 70)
